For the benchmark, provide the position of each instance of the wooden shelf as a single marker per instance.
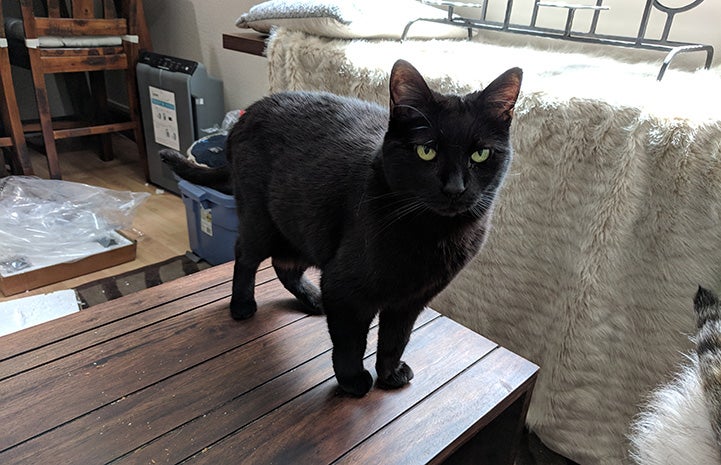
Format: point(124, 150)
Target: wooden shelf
point(246, 42)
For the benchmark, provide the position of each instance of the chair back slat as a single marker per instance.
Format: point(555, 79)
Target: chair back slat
point(109, 10)
point(54, 9)
point(83, 19)
point(28, 11)
point(129, 10)
point(83, 9)
point(71, 27)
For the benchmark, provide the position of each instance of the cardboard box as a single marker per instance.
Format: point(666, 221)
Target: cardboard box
point(38, 277)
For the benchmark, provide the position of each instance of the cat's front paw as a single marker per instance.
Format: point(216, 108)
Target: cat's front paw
point(396, 378)
point(242, 310)
point(357, 385)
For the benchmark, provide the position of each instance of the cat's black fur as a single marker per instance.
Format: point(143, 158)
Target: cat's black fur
point(338, 184)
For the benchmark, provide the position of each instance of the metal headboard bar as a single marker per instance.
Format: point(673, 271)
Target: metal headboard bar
point(507, 18)
point(484, 11)
point(672, 48)
point(534, 15)
point(596, 14)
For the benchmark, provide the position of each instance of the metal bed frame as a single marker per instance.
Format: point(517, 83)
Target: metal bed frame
point(641, 41)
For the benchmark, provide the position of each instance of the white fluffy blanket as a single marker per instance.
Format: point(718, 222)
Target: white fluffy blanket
point(608, 222)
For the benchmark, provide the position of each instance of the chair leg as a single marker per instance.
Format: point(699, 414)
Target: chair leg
point(11, 119)
point(3, 171)
point(100, 96)
point(46, 124)
point(134, 107)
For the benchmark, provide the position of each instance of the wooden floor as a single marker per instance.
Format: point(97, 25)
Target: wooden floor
point(159, 226)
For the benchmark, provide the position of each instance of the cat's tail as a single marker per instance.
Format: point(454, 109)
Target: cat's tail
point(708, 347)
point(217, 178)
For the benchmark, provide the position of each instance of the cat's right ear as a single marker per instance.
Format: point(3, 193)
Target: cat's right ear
point(408, 89)
point(500, 96)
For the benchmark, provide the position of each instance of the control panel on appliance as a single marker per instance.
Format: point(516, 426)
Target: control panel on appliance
point(168, 63)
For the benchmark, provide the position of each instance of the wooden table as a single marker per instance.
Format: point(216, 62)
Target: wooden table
point(165, 375)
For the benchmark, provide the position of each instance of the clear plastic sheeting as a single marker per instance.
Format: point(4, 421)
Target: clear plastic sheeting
point(229, 121)
point(44, 219)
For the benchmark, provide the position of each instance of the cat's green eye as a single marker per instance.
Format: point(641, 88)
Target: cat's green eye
point(426, 153)
point(479, 156)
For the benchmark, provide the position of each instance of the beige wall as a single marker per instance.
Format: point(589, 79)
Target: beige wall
point(193, 29)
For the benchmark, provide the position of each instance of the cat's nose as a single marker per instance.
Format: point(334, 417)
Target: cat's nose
point(454, 187)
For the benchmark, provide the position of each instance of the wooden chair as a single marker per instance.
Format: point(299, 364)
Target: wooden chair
point(12, 136)
point(81, 36)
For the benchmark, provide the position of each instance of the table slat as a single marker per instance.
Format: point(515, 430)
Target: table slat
point(32, 338)
point(212, 426)
point(490, 385)
point(321, 426)
point(87, 380)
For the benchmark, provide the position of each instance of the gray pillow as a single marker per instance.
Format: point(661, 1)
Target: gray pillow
point(350, 19)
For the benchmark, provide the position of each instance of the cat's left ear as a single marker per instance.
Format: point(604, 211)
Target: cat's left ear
point(501, 94)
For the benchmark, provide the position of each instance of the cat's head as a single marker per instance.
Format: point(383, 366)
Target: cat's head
point(449, 152)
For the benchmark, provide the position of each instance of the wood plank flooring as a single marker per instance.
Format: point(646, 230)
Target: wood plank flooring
point(159, 225)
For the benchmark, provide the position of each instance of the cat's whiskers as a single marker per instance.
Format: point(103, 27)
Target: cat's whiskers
point(477, 211)
point(411, 107)
point(416, 207)
point(388, 209)
point(486, 203)
point(407, 206)
point(481, 207)
point(387, 195)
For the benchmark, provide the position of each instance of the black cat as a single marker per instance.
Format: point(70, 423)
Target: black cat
point(389, 206)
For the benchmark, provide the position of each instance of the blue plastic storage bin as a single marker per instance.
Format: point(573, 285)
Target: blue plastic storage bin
point(212, 222)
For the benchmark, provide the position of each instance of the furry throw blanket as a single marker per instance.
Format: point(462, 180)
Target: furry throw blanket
point(608, 222)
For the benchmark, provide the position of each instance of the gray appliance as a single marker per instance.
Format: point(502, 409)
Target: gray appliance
point(177, 100)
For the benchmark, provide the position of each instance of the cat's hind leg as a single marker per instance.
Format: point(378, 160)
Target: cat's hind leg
point(292, 277)
point(242, 302)
point(252, 246)
point(394, 331)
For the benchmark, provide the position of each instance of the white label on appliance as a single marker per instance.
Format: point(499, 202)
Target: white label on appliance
point(165, 117)
point(206, 221)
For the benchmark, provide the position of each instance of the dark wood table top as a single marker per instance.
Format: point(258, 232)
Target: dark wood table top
point(165, 375)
